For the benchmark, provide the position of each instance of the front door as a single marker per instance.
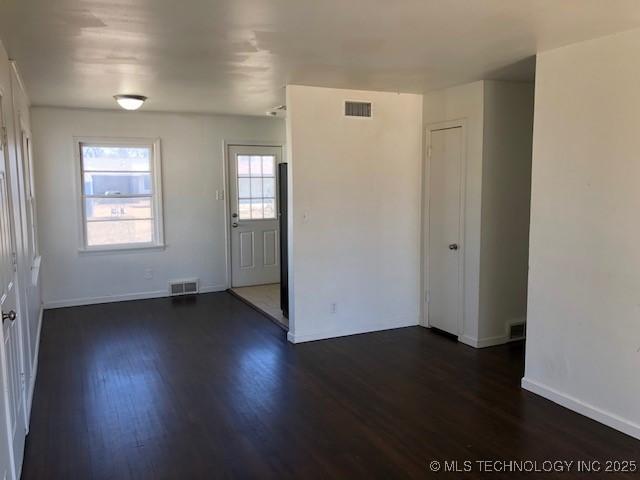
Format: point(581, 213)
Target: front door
point(444, 254)
point(10, 353)
point(254, 214)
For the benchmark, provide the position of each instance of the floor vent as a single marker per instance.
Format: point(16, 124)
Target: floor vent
point(183, 287)
point(517, 331)
point(357, 109)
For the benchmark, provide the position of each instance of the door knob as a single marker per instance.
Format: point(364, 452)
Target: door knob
point(234, 224)
point(453, 246)
point(11, 316)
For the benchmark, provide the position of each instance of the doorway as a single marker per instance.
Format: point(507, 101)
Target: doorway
point(255, 231)
point(445, 227)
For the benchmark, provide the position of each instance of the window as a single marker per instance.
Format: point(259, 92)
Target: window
point(30, 196)
point(256, 187)
point(121, 197)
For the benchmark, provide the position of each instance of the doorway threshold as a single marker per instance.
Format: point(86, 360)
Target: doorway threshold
point(264, 299)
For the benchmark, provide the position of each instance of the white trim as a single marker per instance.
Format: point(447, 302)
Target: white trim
point(75, 302)
point(126, 248)
point(34, 367)
point(156, 196)
point(599, 415)
point(343, 332)
point(484, 342)
point(18, 76)
point(425, 218)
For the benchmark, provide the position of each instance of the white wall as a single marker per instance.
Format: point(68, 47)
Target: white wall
point(583, 345)
point(355, 221)
point(194, 221)
point(466, 102)
point(506, 194)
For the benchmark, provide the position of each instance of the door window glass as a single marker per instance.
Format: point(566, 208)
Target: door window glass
point(256, 187)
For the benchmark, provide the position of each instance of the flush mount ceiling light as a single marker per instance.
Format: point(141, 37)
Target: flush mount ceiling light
point(130, 102)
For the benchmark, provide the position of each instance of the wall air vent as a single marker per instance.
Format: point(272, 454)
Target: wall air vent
point(183, 287)
point(357, 109)
point(517, 331)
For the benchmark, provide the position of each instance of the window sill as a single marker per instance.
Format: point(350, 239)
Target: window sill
point(122, 249)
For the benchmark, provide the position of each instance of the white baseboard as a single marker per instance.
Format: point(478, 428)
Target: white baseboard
point(343, 332)
point(610, 419)
point(213, 289)
point(34, 368)
point(75, 302)
point(483, 342)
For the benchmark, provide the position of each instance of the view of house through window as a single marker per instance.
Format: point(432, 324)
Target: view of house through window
point(256, 187)
point(118, 195)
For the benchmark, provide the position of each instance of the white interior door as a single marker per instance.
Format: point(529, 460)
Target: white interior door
point(444, 248)
point(253, 193)
point(11, 354)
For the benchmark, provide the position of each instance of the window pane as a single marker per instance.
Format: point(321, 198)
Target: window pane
point(119, 232)
point(256, 166)
point(269, 208)
point(244, 190)
point(268, 166)
point(117, 208)
point(256, 209)
point(244, 209)
point(243, 165)
point(269, 187)
point(117, 183)
point(256, 188)
point(96, 157)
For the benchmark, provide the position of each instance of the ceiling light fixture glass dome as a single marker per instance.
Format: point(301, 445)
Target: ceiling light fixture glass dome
point(130, 102)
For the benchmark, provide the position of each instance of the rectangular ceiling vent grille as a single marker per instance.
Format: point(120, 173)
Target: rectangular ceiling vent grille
point(517, 331)
point(357, 109)
point(183, 287)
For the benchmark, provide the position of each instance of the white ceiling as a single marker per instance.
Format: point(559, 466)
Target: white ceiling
point(235, 56)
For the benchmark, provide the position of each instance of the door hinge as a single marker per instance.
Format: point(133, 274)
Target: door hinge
point(427, 297)
point(14, 260)
point(5, 139)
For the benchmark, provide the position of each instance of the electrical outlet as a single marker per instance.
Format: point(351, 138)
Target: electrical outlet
point(148, 273)
point(334, 307)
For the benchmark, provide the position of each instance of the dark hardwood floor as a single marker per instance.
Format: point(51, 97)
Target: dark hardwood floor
point(208, 388)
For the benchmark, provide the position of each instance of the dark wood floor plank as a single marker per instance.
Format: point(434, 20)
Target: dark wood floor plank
point(209, 388)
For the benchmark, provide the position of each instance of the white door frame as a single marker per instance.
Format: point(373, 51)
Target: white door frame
point(226, 144)
point(23, 268)
point(426, 194)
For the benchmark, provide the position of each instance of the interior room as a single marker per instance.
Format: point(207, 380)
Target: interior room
point(365, 239)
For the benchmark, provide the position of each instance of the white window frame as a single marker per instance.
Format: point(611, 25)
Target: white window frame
point(156, 198)
point(29, 188)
